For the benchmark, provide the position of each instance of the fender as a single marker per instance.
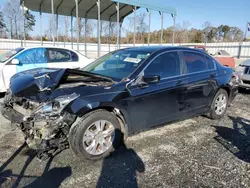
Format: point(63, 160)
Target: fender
point(81, 106)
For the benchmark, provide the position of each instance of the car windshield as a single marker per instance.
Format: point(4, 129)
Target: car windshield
point(4, 57)
point(246, 63)
point(117, 65)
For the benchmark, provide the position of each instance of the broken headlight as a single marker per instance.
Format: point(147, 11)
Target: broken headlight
point(56, 105)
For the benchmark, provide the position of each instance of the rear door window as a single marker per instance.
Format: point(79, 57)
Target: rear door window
point(195, 62)
point(61, 55)
point(210, 63)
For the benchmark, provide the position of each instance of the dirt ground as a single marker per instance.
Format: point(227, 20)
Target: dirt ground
point(193, 153)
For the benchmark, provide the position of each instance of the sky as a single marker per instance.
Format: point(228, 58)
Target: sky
point(217, 12)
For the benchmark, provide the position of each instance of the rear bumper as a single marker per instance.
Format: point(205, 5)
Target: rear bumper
point(234, 92)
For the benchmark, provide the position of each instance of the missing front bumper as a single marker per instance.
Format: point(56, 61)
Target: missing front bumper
point(10, 114)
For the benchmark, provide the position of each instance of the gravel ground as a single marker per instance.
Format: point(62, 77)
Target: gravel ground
point(193, 153)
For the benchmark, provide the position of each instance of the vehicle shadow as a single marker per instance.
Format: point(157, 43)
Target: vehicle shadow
point(6, 177)
point(236, 140)
point(50, 177)
point(120, 169)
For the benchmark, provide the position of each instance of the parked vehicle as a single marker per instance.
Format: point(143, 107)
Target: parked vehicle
point(225, 58)
point(221, 55)
point(119, 94)
point(198, 47)
point(243, 71)
point(22, 59)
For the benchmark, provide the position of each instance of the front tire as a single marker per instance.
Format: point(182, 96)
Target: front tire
point(95, 135)
point(219, 105)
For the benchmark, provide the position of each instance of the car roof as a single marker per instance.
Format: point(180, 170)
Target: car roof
point(147, 49)
point(56, 47)
point(152, 49)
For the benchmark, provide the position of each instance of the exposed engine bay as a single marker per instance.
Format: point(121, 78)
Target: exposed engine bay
point(45, 123)
point(45, 126)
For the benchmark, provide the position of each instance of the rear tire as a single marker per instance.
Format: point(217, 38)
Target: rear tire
point(95, 135)
point(219, 105)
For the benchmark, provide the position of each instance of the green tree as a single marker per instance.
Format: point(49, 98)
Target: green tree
point(225, 30)
point(219, 33)
point(2, 26)
point(235, 34)
point(30, 21)
point(2, 23)
point(197, 38)
point(212, 34)
point(14, 19)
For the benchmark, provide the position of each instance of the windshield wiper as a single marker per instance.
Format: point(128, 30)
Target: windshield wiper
point(91, 74)
point(102, 77)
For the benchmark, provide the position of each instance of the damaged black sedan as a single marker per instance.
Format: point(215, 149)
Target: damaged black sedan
point(119, 94)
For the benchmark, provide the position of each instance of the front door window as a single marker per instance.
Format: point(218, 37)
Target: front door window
point(32, 56)
point(166, 65)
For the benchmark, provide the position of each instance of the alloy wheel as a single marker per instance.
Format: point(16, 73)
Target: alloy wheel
point(98, 137)
point(220, 104)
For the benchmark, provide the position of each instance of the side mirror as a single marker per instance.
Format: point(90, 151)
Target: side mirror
point(15, 62)
point(151, 78)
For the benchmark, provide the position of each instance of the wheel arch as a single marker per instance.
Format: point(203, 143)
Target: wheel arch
point(119, 112)
point(227, 88)
point(120, 117)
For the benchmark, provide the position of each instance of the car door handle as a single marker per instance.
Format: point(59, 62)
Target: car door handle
point(212, 75)
point(181, 82)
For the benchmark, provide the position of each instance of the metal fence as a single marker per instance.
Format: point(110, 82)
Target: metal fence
point(239, 50)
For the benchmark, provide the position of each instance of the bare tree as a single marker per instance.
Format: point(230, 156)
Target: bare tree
point(50, 30)
point(182, 32)
point(185, 27)
point(14, 18)
point(2, 26)
point(208, 31)
point(127, 29)
point(66, 26)
point(141, 26)
point(105, 31)
point(89, 28)
point(235, 34)
point(206, 24)
point(113, 28)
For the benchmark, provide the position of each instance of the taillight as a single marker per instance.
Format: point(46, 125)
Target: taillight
point(235, 77)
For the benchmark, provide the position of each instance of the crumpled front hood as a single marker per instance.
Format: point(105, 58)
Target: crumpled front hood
point(43, 84)
point(35, 80)
point(36, 84)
